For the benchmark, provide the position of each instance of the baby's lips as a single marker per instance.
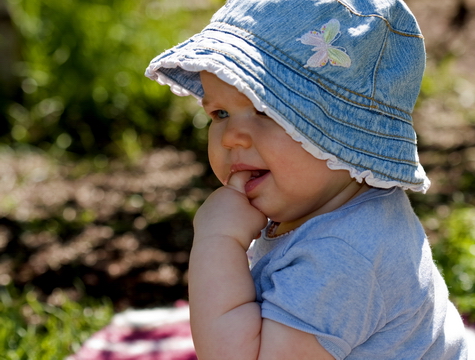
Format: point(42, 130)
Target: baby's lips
point(238, 180)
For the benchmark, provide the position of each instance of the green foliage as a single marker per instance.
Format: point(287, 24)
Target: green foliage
point(35, 330)
point(454, 253)
point(81, 74)
point(445, 117)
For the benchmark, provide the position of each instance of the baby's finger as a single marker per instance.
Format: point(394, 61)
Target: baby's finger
point(238, 180)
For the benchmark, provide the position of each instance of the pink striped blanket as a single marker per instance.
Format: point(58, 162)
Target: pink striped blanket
point(156, 334)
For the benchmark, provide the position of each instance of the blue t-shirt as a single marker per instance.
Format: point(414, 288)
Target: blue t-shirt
point(362, 280)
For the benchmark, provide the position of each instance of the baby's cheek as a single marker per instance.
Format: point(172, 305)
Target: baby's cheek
point(216, 169)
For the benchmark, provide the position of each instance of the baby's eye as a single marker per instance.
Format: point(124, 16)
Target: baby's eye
point(220, 114)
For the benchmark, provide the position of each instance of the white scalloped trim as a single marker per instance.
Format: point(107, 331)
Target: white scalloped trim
point(229, 77)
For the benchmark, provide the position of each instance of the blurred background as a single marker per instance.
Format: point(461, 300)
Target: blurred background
point(101, 169)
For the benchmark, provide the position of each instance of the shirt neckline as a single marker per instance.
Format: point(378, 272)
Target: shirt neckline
point(269, 231)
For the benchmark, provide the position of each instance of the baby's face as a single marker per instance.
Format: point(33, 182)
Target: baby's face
point(287, 184)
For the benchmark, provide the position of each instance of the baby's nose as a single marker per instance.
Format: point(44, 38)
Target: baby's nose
point(237, 134)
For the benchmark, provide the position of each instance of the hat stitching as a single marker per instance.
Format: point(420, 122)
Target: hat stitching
point(313, 101)
point(300, 70)
point(372, 107)
point(388, 24)
point(378, 64)
point(372, 99)
point(366, 152)
point(371, 132)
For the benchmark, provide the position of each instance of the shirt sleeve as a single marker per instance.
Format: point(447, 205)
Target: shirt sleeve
point(326, 288)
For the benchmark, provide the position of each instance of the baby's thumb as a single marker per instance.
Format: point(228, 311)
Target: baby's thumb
point(238, 180)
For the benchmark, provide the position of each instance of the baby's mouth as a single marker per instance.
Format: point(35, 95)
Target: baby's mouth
point(253, 174)
point(257, 174)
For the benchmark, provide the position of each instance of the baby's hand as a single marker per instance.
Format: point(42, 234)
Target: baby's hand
point(228, 213)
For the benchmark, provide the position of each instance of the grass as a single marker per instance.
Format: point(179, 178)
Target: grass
point(454, 254)
point(35, 330)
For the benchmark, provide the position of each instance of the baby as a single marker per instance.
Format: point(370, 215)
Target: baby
point(312, 138)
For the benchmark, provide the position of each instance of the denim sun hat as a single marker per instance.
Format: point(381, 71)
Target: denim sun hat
point(340, 76)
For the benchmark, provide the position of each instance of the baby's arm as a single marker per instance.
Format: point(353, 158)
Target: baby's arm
point(225, 319)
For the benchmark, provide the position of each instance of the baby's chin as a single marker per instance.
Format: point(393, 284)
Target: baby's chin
point(254, 203)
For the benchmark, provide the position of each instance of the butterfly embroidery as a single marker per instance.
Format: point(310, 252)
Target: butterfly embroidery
point(322, 41)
